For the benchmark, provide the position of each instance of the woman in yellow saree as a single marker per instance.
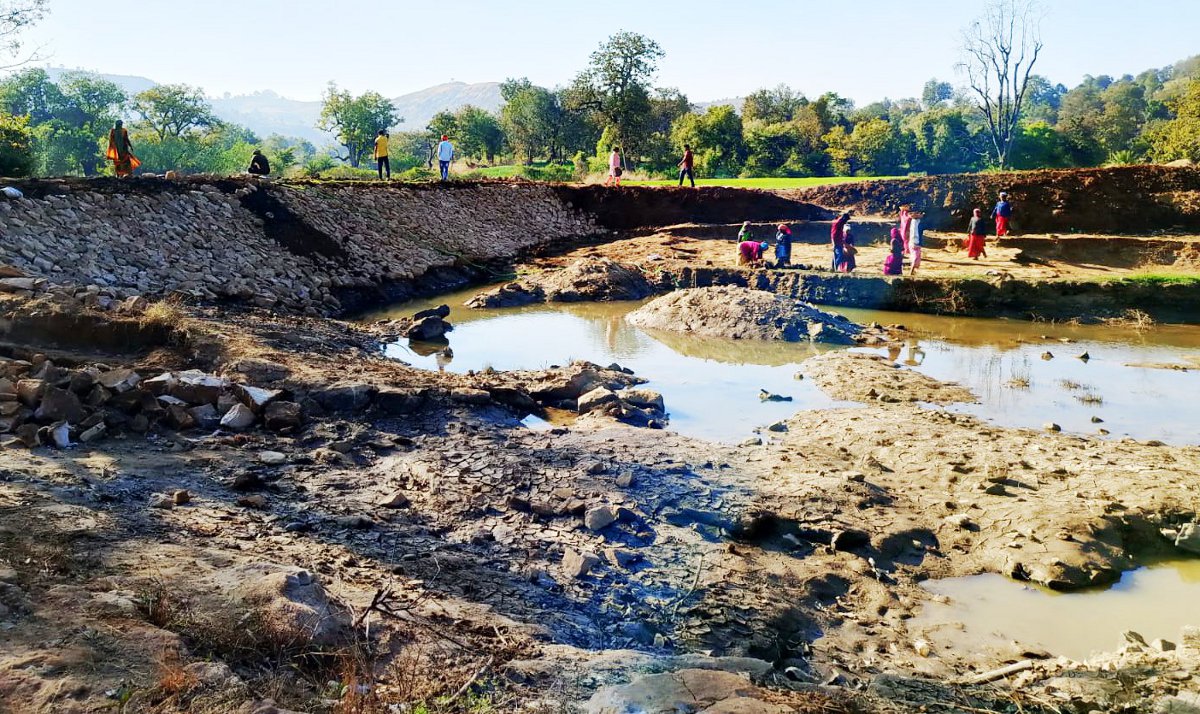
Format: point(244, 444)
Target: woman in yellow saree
point(120, 151)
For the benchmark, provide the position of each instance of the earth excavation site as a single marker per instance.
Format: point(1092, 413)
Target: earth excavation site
point(278, 447)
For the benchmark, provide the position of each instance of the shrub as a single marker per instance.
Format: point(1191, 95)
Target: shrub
point(16, 146)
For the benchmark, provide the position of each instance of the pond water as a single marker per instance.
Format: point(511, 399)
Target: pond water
point(1155, 601)
point(712, 386)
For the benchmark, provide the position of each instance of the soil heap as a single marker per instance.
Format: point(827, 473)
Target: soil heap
point(589, 279)
point(743, 314)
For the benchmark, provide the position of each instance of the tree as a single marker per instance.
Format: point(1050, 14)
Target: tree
point(716, 140)
point(478, 132)
point(529, 117)
point(92, 105)
point(773, 106)
point(935, 93)
point(172, 110)
point(1179, 138)
point(16, 146)
point(943, 140)
point(15, 16)
point(1001, 50)
point(356, 120)
point(616, 86)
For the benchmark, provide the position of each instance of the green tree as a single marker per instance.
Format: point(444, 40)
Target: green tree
point(530, 116)
point(789, 148)
point(616, 87)
point(773, 106)
point(1040, 146)
point(936, 93)
point(173, 110)
point(716, 140)
point(92, 104)
point(356, 120)
point(16, 146)
point(1179, 138)
point(943, 140)
point(876, 149)
point(479, 133)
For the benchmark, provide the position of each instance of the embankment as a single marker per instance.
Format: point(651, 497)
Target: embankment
point(1052, 299)
point(1119, 200)
point(320, 247)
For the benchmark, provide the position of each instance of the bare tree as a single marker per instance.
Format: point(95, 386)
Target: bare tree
point(15, 16)
point(1000, 49)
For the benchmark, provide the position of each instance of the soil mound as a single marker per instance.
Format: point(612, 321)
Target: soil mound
point(587, 280)
point(743, 314)
point(1127, 199)
point(858, 377)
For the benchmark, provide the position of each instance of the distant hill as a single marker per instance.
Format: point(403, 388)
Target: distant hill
point(267, 113)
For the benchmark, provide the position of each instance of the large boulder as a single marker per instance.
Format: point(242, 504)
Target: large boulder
point(743, 314)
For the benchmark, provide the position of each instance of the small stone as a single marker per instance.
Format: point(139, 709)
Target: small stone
point(1083, 356)
point(205, 416)
point(238, 418)
point(596, 398)
point(577, 564)
point(1051, 426)
point(778, 427)
point(1163, 645)
point(621, 557)
point(272, 458)
point(753, 441)
point(922, 648)
point(1134, 638)
point(60, 435)
point(1047, 355)
point(625, 480)
point(471, 396)
point(396, 499)
point(995, 489)
point(959, 520)
point(600, 517)
point(356, 522)
point(163, 501)
point(1097, 420)
point(644, 399)
point(181, 497)
point(282, 416)
point(119, 380)
point(93, 434)
point(257, 501)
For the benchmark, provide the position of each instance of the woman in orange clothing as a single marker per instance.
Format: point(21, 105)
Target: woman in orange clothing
point(120, 151)
point(975, 237)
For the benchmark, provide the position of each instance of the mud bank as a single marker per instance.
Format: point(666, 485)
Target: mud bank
point(1054, 299)
point(1129, 199)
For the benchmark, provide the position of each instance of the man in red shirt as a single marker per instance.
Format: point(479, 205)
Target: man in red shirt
point(685, 166)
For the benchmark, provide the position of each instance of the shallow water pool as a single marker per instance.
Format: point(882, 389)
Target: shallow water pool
point(1155, 601)
point(712, 386)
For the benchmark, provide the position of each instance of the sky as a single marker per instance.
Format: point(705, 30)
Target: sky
point(715, 49)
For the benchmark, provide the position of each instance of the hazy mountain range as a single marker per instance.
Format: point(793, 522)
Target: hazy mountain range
point(267, 113)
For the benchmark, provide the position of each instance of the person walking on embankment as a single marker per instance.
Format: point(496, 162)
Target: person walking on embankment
point(837, 238)
point(120, 151)
point(685, 166)
point(916, 240)
point(445, 154)
point(905, 219)
point(783, 246)
point(1001, 214)
point(893, 264)
point(614, 167)
point(976, 237)
point(382, 160)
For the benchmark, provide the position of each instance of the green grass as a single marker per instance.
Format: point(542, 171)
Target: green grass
point(1162, 278)
point(766, 183)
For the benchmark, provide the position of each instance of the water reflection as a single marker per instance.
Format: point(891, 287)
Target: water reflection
point(711, 385)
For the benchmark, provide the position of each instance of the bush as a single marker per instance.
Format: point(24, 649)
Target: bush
point(16, 146)
point(314, 167)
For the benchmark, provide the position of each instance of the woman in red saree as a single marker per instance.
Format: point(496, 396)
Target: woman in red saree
point(975, 237)
point(120, 151)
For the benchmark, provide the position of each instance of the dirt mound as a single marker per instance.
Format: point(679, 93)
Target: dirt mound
point(587, 280)
point(867, 378)
point(1127, 199)
point(743, 314)
point(640, 206)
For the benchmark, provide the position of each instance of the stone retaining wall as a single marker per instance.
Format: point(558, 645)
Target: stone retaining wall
point(295, 247)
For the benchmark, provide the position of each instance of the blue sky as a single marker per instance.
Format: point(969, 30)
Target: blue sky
point(864, 49)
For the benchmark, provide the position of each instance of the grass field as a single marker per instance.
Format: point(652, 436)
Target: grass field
point(768, 183)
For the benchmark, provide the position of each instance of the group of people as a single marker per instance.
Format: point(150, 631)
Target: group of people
point(906, 240)
point(616, 167)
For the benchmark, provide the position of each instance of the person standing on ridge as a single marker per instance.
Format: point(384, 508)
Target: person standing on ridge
point(837, 237)
point(1001, 215)
point(445, 154)
point(685, 166)
point(614, 167)
point(259, 166)
point(120, 151)
point(905, 219)
point(382, 162)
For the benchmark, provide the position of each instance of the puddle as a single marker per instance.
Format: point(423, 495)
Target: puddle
point(711, 386)
point(991, 610)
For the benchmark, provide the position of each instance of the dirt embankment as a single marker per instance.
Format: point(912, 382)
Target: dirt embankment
point(639, 206)
point(1122, 200)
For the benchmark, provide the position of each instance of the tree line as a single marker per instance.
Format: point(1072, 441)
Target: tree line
point(60, 127)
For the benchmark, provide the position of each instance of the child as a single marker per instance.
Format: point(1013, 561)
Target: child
point(976, 238)
point(894, 263)
point(783, 246)
point(848, 263)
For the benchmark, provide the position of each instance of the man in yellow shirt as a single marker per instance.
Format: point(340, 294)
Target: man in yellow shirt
point(381, 154)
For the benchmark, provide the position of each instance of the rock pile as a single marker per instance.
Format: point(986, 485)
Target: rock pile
point(42, 403)
point(238, 241)
point(590, 279)
point(743, 314)
point(583, 388)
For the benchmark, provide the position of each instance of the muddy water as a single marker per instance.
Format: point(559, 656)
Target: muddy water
point(992, 611)
point(712, 386)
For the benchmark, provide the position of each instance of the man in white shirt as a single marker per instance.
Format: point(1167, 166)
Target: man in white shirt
point(445, 152)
